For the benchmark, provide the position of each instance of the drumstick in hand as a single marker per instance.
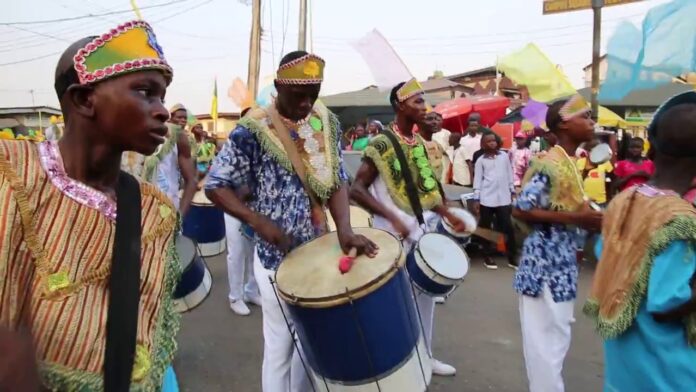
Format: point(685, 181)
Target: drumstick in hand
point(345, 263)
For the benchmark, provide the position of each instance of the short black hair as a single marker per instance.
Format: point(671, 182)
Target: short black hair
point(393, 97)
point(553, 115)
point(292, 56)
point(675, 134)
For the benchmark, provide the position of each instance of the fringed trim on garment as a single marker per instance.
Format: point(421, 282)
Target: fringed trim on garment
point(321, 189)
point(678, 229)
point(169, 223)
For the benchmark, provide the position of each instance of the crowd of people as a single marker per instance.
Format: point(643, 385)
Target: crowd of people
point(88, 263)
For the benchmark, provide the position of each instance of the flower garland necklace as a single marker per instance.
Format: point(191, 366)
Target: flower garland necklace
point(578, 179)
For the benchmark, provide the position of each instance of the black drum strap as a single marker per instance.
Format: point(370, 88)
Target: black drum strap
point(124, 287)
point(411, 190)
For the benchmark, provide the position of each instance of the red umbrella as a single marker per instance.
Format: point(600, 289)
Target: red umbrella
point(455, 113)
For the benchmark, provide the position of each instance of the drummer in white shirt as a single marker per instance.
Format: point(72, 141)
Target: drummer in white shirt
point(376, 190)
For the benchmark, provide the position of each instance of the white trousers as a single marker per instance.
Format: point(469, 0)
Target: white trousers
point(240, 261)
point(545, 339)
point(426, 308)
point(282, 369)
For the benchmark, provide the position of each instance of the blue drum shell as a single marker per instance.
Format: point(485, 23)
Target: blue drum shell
point(463, 241)
point(204, 223)
point(421, 279)
point(356, 343)
point(191, 277)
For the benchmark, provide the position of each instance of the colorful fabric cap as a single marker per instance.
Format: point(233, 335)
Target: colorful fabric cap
point(129, 47)
point(409, 89)
point(686, 97)
point(576, 106)
point(308, 69)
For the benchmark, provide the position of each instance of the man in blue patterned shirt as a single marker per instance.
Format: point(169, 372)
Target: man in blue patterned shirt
point(253, 178)
point(553, 202)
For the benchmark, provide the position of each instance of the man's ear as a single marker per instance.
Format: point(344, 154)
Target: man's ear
point(81, 99)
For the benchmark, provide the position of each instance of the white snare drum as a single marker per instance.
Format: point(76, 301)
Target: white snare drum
point(437, 264)
point(358, 218)
point(445, 227)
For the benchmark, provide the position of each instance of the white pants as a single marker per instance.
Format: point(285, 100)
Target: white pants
point(545, 339)
point(426, 308)
point(240, 261)
point(282, 369)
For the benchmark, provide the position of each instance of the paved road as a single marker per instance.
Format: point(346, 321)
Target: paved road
point(477, 331)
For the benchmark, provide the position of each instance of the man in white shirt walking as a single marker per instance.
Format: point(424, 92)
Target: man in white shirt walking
point(464, 155)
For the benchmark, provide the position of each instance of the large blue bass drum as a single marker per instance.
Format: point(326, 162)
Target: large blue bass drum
point(360, 330)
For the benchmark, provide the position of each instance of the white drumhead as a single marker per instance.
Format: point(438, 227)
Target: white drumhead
point(358, 218)
point(600, 153)
point(310, 272)
point(186, 249)
point(468, 219)
point(443, 255)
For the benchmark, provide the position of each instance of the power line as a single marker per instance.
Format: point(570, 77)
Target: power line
point(30, 59)
point(183, 11)
point(60, 20)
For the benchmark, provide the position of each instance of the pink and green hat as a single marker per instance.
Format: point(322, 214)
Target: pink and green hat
point(131, 46)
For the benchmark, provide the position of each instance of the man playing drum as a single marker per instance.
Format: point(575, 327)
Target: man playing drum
point(276, 172)
point(386, 195)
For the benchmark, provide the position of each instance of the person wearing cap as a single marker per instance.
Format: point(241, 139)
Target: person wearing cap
point(520, 156)
point(642, 298)
point(387, 196)
point(553, 203)
point(87, 267)
point(254, 179)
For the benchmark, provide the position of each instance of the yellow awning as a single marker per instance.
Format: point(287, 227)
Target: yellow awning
point(607, 118)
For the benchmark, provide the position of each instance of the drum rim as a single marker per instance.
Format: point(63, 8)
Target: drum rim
point(466, 256)
point(348, 295)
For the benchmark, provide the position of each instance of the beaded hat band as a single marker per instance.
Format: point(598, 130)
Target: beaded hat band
point(409, 89)
point(129, 47)
point(308, 69)
point(576, 106)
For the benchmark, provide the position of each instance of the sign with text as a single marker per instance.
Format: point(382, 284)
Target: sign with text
point(558, 6)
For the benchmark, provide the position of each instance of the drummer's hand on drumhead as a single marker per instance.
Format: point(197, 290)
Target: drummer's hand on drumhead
point(401, 228)
point(361, 243)
point(458, 225)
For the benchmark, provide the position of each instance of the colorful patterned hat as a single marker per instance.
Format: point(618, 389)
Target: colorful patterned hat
point(409, 89)
point(576, 106)
point(308, 69)
point(129, 47)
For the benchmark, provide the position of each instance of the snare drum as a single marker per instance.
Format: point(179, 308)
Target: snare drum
point(205, 223)
point(196, 282)
point(360, 328)
point(444, 227)
point(437, 264)
point(358, 218)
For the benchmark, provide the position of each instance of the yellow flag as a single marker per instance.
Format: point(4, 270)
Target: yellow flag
point(214, 107)
point(530, 67)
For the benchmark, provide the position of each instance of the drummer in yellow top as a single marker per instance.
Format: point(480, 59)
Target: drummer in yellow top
point(254, 178)
point(380, 188)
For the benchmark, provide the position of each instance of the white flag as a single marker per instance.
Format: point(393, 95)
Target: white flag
point(385, 64)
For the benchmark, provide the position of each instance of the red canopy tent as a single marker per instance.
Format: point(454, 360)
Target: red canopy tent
point(455, 113)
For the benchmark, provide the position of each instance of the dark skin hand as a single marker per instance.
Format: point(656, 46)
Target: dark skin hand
point(188, 172)
point(341, 215)
point(359, 192)
point(18, 368)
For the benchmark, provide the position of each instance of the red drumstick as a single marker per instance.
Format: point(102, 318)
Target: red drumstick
point(345, 263)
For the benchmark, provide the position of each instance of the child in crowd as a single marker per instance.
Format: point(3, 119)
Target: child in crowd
point(493, 190)
point(635, 169)
point(520, 156)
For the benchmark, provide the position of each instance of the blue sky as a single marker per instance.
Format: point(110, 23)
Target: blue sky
point(203, 39)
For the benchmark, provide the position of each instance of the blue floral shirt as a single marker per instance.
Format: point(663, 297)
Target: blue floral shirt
point(549, 255)
point(277, 193)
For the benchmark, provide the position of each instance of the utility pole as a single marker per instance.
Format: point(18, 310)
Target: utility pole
point(596, 42)
point(302, 44)
point(254, 50)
